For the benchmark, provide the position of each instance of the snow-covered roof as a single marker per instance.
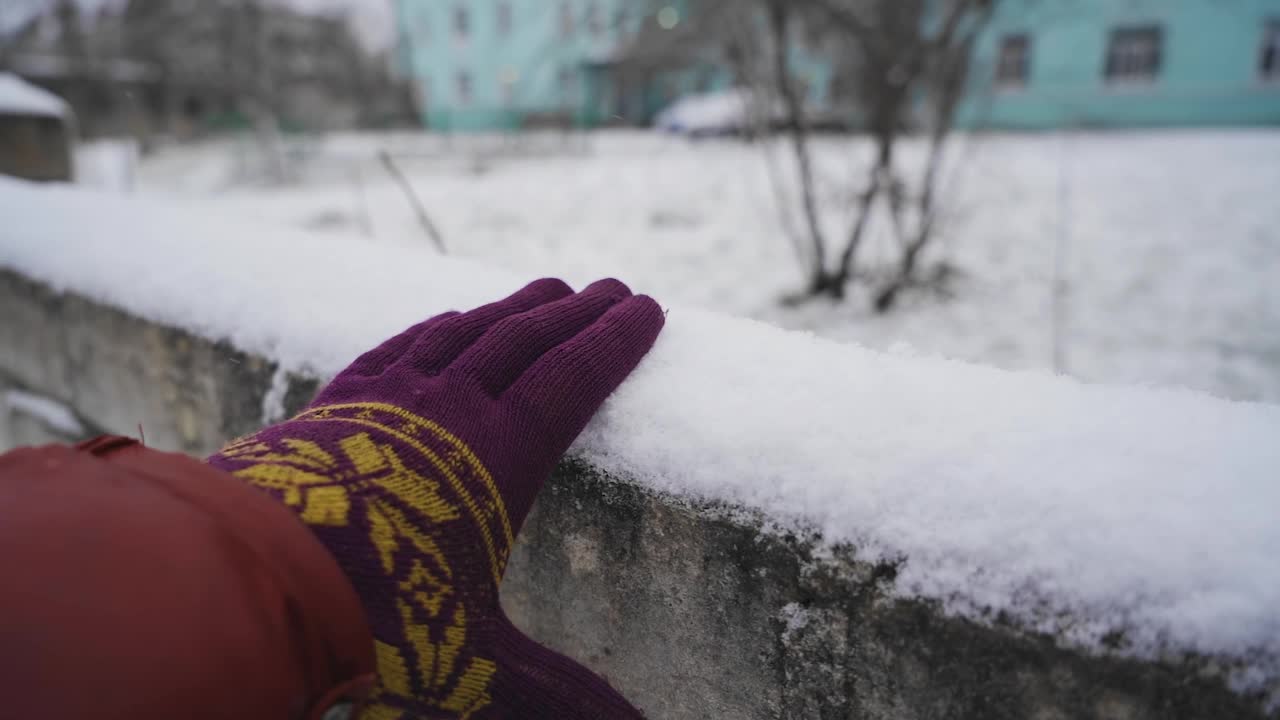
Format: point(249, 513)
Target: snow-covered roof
point(1076, 509)
point(19, 97)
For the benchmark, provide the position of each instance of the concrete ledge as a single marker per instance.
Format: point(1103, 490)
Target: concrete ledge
point(693, 611)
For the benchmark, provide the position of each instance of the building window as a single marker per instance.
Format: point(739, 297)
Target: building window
point(404, 53)
point(507, 82)
point(595, 19)
point(464, 88)
point(564, 81)
point(1269, 63)
point(461, 23)
point(504, 18)
point(422, 89)
point(566, 19)
point(1014, 64)
point(1134, 54)
point(423, 29)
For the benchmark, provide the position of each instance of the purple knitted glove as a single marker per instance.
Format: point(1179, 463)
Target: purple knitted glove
point(417, 466)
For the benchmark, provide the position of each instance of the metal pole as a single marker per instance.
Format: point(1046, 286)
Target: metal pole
point(1060, 247)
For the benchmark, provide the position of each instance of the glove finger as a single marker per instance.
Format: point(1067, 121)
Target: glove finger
point(440, 344)
point(573, 379)
point(512, 345)
point(376, 360)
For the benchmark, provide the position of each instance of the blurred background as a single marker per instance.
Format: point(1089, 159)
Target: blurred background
point(1089, 187)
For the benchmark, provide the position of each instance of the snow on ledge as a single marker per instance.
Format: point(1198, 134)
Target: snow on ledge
point(1072, 508)
point(19, 97)
point(53, 414)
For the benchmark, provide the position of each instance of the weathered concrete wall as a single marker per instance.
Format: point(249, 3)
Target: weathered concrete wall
point(693, 612)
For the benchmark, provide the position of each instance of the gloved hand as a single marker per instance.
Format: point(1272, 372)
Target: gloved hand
point(416, 468)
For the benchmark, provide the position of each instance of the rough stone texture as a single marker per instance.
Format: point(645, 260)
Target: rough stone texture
point(691, 611)
point(683, 609)
point(120, 373)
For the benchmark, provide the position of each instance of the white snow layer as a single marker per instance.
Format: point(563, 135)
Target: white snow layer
point(19, 97)
point(1072, 508)
point(1167, 277)
point(52, 413)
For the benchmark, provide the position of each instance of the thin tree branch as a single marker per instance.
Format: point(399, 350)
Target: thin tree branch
point(798, 131)
point(414, 201)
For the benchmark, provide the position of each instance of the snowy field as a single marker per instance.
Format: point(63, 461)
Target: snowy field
point(1171, 239)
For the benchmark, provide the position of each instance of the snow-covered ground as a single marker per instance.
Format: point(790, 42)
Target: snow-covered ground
point(1171, 239)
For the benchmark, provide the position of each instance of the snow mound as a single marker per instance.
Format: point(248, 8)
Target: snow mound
point(1088, 511)
point(19, 97)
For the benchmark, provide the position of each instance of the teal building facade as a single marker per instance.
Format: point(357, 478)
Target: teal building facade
point(1047, 64)
point(506, 64)
point(1039, 65)
point(482, 65)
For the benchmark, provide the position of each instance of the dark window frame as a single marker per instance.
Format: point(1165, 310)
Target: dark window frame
point(1269, 52)
point(566, 20)
point(1013, 61)
point(505, 18)
point(566, 85)
point(465, 87)
point(594, 19)
point(461, 23)
point(1135, 54)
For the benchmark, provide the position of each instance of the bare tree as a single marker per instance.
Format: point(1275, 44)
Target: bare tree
point(254, 82)
point(71, 44)
point(420, 210)
point(899, 66)
point(223, 45)
point(888, 53)
point(17, 20)
point(945, 78)
point(781, 17)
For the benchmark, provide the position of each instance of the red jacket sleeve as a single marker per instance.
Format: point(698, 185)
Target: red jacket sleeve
point(141, 584)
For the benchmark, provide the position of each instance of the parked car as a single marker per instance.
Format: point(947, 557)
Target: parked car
point(739, 112)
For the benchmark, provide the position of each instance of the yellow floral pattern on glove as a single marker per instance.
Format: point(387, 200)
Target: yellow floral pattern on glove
point(395, 497)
